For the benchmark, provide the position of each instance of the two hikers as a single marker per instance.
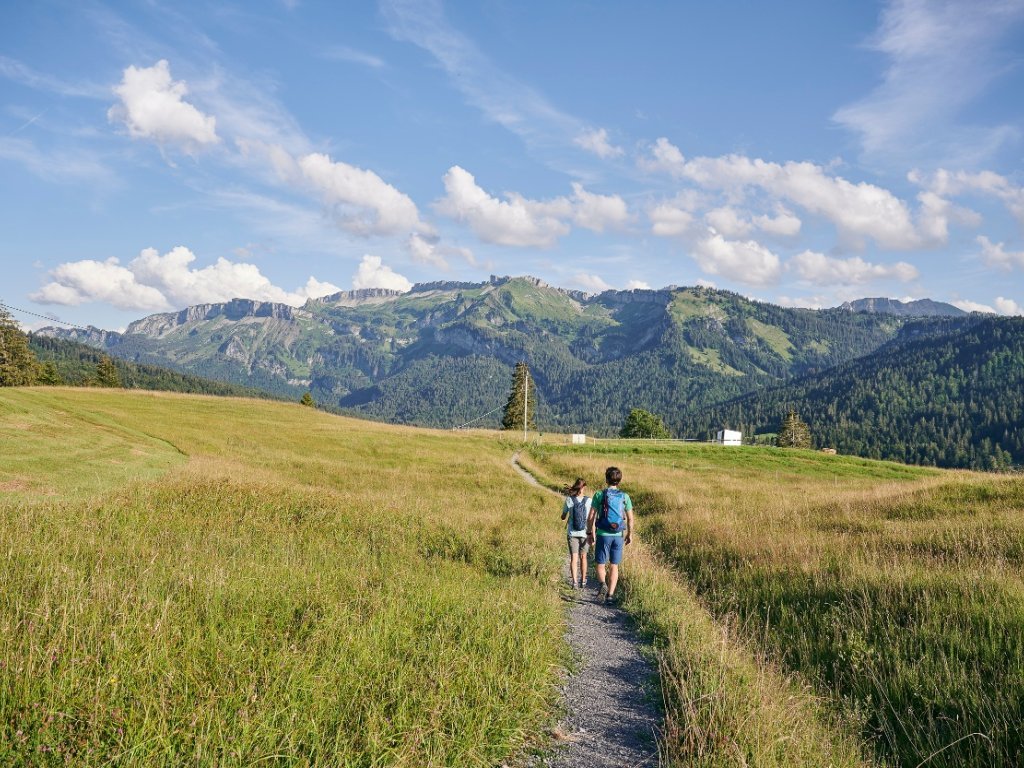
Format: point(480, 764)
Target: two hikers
point(609, 528)
point(576, 511)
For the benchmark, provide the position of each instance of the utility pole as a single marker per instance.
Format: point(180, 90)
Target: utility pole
point(526, 401)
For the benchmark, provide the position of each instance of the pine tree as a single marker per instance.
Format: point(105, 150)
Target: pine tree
point(521, 381)
point(18, 364)
point(641, 423)
point(793, 433)
point(308, 401)
point(50, 375)
point(107, 374)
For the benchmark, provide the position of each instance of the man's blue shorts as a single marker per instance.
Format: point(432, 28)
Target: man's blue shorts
point(608, 549)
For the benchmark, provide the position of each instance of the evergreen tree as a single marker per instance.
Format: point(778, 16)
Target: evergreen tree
point(522, 382)
point(18, 364)
point(107, 374)
point(641, 423)
point(308, 401)
point(793, 433)
point(49, 375)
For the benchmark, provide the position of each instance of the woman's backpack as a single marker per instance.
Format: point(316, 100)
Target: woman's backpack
point(578, 521)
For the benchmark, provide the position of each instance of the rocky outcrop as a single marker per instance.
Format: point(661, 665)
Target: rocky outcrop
point(94, 337)
point(237, 309)
point(353, 298)
point(919, 308)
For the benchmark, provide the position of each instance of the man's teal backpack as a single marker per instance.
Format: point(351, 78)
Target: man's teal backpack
point(613, 511)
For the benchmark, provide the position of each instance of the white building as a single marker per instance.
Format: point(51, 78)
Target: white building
point(579, 439)
point(729, 437)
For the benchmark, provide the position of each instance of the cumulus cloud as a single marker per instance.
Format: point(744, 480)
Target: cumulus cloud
point(858, 211)
point(638, 285)
point(746, 261)
point(1008, 306)
point(153, 107)
point(152, 281)
point(673, 218)
point(596, 141)
point(973, 306)
point(825, 270)
point(996, 255)
point(950, 184)
point(591, 283)
point(372, 273)
point(801, 302)
point(597, 212)
point(519, 221)
point(361, 201)
point(784, 223)
point(428, 249)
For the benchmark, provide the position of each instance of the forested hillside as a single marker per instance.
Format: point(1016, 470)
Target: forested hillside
point(442, 354)
point(948, 393)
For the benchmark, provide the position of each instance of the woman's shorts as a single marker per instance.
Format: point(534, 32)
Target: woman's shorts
point(577, 545)
point(608, 549)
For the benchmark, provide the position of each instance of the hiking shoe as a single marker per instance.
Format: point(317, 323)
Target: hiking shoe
point(602, 593)
point(611, 600)
point(583, 584)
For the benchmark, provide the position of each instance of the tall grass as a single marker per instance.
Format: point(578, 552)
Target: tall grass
point(277, 587)
point(897, 592)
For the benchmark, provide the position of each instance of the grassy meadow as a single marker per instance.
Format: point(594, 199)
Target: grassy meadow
point(195, 580)
point(872, 598)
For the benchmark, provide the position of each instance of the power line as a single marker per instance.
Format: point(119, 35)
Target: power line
point(45, 317)
point(484, 416)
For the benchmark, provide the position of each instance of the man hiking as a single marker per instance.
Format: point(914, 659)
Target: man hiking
point(610, 529)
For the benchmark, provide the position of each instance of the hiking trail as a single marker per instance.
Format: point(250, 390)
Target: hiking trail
point(611, 717)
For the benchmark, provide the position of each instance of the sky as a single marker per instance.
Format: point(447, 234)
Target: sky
point(156, 155)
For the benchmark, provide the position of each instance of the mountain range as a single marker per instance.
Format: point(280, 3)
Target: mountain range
point(442, 353)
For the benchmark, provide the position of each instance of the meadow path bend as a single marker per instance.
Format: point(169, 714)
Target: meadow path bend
point(611, 719)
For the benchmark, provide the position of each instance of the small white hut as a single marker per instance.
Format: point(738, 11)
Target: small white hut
point(729, 437)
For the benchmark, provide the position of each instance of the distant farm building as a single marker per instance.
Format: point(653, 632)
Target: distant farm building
point(729, 437)
point(829, 451)
point(579, 439)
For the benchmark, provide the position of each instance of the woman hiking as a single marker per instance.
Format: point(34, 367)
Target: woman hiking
point(576, 510)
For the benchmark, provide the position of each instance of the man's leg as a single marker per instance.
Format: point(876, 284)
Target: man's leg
point(613, 578)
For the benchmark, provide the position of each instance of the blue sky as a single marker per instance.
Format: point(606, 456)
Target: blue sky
point(156, 155)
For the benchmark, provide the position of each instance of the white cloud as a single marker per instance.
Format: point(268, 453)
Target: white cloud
point(941, 56)
point(802, 302)
point(947, 184)
point(638, 285)
point(596, 212)
point(857, 210)
point(596, 141)
point(372, 273)
point(706, 283)
point(727, 221)
point(428, 249)
point(745, 261)
point(519, 221)
point(22, 73)
point(674, 217)
point(973, 306)
point(784, 223)
point(361, 201)
point(591, 283)
point(77, 165)
point(153, 107)
point(1008, 306)
point(996, 255)
point(102, 281)
point(515, 221)
point(155, 282)
point(825, 270)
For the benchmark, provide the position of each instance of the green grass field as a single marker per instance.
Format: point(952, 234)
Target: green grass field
point(193, 580)
point(894, 592)
point(213, 581)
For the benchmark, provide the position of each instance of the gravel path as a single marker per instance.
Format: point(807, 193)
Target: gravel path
point(612, 720)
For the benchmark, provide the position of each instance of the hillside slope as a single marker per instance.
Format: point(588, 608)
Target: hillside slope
point(947, 393)
point(442, 353)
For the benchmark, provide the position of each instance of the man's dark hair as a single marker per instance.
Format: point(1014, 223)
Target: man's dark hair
point(613, 475)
